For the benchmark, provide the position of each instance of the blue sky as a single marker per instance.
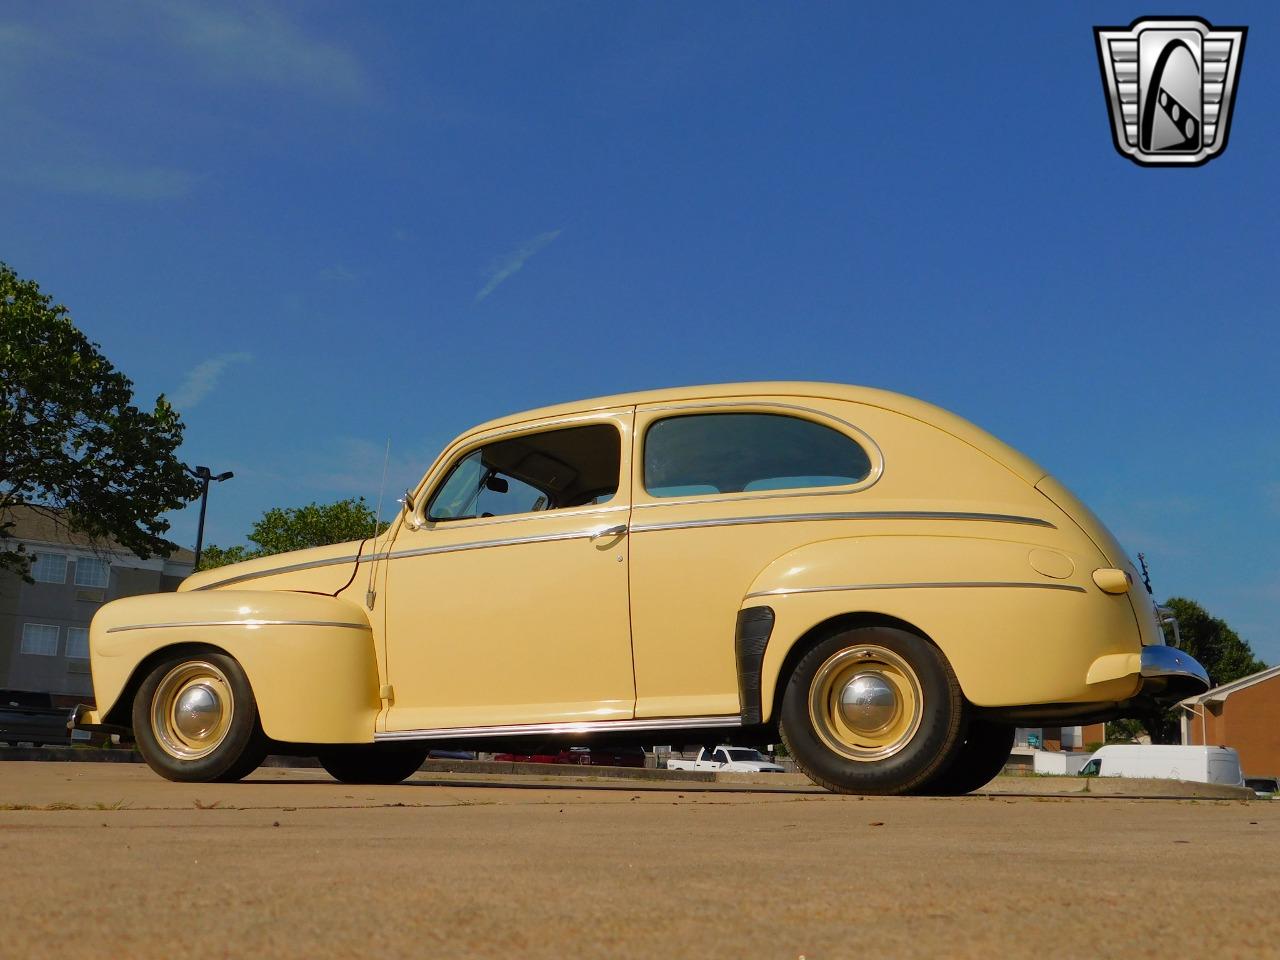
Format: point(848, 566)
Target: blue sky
point(319, 225)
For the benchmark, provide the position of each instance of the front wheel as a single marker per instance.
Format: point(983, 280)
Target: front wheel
point(873, 710)
point(372, 763)
point(195, 719)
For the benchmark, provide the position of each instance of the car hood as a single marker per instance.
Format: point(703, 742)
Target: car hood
point(325, 569)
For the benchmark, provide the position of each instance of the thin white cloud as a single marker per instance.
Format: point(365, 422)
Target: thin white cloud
point(203, 377)
point(258, 44)
point(340, 273)
point(513, 262)
point(106, 179)
point(353, 465)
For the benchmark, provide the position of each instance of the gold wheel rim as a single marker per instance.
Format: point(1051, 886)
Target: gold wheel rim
point(865, 702)
point(191, 710)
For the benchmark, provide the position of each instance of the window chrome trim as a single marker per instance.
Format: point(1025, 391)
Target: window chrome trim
point(857, 515)
point(745, 405)
point(248, 622)
point(468, 443)
point(472, 523)
point(920, 585)
point(568, 727)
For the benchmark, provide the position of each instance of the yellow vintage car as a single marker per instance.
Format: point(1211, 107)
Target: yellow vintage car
point(877, 582)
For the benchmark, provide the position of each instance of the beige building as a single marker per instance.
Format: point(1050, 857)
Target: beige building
point(44, 626)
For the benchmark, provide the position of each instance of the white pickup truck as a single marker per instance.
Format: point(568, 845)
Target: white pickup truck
point(726, 760)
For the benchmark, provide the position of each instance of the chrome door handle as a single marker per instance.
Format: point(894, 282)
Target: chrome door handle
point(610, 532)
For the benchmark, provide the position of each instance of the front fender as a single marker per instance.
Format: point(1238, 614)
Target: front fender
point(1013, 633)
point(309, 658)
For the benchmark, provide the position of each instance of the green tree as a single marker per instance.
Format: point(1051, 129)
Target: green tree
point(72, 443)
point(1221, 651)
point(294, 528)
point(1123, 731)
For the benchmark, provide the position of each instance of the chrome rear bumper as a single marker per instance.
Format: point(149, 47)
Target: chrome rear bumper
point(1170, 674)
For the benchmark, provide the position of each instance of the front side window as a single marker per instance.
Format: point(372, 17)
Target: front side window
point(570, 467)
point(49, 568)
point(91, 572)
point(78, 643)
point(745, 452)
point(40, 639)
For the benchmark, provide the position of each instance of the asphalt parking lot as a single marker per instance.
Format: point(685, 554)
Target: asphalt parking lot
point(107, 860)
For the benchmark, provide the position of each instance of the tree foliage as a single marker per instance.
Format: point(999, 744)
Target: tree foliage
point(71, 440)
point(1221, 651)
point(295, 528)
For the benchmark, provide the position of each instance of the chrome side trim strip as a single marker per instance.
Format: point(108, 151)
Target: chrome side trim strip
point(637, 528)
point(589, 726)
point(922, 585)
point(414, 552)
point(239, 623)
point(859, 515)
point(482, 544)
point(288, 568)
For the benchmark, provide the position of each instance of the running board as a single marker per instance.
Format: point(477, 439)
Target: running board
point(562, 729)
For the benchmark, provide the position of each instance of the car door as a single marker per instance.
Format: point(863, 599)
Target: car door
point(507, 595)
point(720, 490)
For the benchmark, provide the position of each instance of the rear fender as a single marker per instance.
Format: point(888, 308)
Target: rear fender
point(1013, 633)
point(309, 658)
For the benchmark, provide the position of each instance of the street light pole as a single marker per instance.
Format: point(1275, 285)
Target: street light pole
point(204, 475)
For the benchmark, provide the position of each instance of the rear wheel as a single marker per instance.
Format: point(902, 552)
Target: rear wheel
point(874, 710)
point(372, 763)
point(195, 719)
point(979, 760)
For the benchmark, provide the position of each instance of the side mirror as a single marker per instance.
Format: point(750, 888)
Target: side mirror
point(497, 484)
point(407, 500)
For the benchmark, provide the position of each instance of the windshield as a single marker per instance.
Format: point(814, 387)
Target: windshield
point(741, 754)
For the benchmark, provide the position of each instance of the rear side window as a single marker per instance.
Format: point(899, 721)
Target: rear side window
point(742, 452)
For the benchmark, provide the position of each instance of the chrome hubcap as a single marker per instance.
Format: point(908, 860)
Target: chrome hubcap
point(868, 702)
point(191, 710)
point(197, 712)
point(865, 702)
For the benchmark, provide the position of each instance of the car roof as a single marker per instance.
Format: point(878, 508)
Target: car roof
point(900, 403)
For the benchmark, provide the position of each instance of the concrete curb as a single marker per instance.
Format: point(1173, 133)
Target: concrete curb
point(1113, 787)
point(71, 754)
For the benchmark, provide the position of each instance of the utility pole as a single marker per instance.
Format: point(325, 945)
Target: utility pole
point(204, 475)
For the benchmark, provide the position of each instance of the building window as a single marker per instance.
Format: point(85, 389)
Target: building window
point(92, 573)
point(40, 639)
point(78, 643)
point(49, 568)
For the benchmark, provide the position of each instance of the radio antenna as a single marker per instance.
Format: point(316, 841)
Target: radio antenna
point(371, 595)
point(377, 513)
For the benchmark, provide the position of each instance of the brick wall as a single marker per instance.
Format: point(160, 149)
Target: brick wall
point(1247, 721)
